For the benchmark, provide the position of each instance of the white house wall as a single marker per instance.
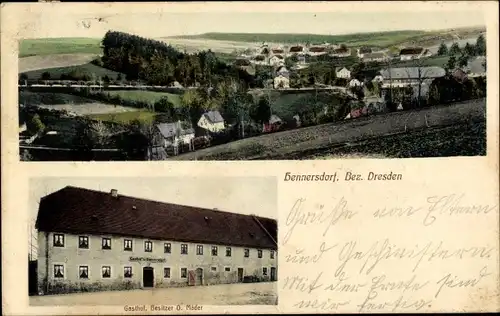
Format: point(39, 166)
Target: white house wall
point(71, 257)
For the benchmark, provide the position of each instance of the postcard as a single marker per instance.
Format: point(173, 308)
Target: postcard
point(250, 157)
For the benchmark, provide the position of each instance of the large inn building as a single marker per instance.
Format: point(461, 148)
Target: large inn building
point(92, 240)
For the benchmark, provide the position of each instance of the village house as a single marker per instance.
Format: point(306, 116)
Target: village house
point(173, 134)
point(277, 51)
point(260, 60)
point(355, 83)
point(212, 121)
point(400, 77)
point(363, 50)
point(411, 53)
point(317, 50)
point(276, 60)
point(375, 57)
point(245, 64)
point(97, 240)
point(343, 73)
point(341, 52)
point(281, 81)
point(296, 49)
point(282, 78)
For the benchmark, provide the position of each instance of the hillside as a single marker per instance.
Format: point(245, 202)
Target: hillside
point(380, 39)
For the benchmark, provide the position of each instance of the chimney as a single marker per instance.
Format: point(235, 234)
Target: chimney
point(114, 193)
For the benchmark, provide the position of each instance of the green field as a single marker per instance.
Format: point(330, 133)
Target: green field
point(125, 117)
point(89, 69)
point(50, 46)
point(50, 98)
point(146, 96)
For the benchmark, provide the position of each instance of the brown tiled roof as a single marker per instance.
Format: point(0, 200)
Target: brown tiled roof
point(83, 211)
point(411, 51)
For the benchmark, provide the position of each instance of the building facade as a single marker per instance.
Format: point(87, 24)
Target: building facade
point(90, 250)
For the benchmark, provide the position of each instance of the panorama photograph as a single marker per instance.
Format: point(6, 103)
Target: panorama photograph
point(254, 86)
point(138, 242)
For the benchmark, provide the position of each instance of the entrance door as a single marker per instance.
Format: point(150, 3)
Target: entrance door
point(199, 276)
point(240, 274)
point(148, 277)
point(273, 274)
point(191, 278)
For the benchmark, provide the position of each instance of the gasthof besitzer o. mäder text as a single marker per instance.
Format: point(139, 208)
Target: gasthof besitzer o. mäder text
point(348, 176)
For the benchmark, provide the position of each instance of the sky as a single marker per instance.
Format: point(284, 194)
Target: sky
point(248, 195)
point(163, 24)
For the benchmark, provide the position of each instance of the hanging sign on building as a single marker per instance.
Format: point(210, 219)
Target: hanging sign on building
point(146, 259)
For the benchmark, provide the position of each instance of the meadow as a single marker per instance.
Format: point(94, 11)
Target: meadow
point(51, 46)
point(125, 117)
point(146, 96)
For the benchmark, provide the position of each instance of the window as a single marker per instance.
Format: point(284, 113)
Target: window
point(259, 253)
point(183, 272)
point(184, 249)
point(213, 269)
point(83, 272)
point(247, 253)
point(148, 246)
point(264, 271)
point(199, 249)
point(214, 250)
point(58, 240)
point(58, 271)
point(166, 273)
point(227, 269)
point(106, 272)
point(272, 254)
point(83, 242)
point(167, 247)
point(228, 251)
point(127, 244)
point(127, 272)
point(106, 243)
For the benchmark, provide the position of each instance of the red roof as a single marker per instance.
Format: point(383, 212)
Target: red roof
point(83, 211)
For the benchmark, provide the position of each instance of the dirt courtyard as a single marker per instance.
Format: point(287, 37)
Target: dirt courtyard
point(265, 293)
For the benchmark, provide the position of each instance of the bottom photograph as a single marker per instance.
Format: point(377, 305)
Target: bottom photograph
point(145, 241)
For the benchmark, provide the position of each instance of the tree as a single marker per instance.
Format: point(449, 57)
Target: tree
point(463, 60)
point(35, 125)
point(454, 49)
point(45, 75)
point(452, 61)
point(261, 112)
point(23, 77)
point(119, 77)
point(443, 49)
point(469, 50)
point(480, 46)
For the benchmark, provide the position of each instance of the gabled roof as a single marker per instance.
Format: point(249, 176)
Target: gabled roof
point(168, 130)
point(282, 69)
point(413, 72)
point(296, 49)
point(83, 211)
point(213, 116)
point(341, 68)
point(375, 55)
point(411, 51)
point(364, 50)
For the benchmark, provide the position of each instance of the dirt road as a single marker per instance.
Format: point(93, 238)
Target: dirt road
point(225, 294)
